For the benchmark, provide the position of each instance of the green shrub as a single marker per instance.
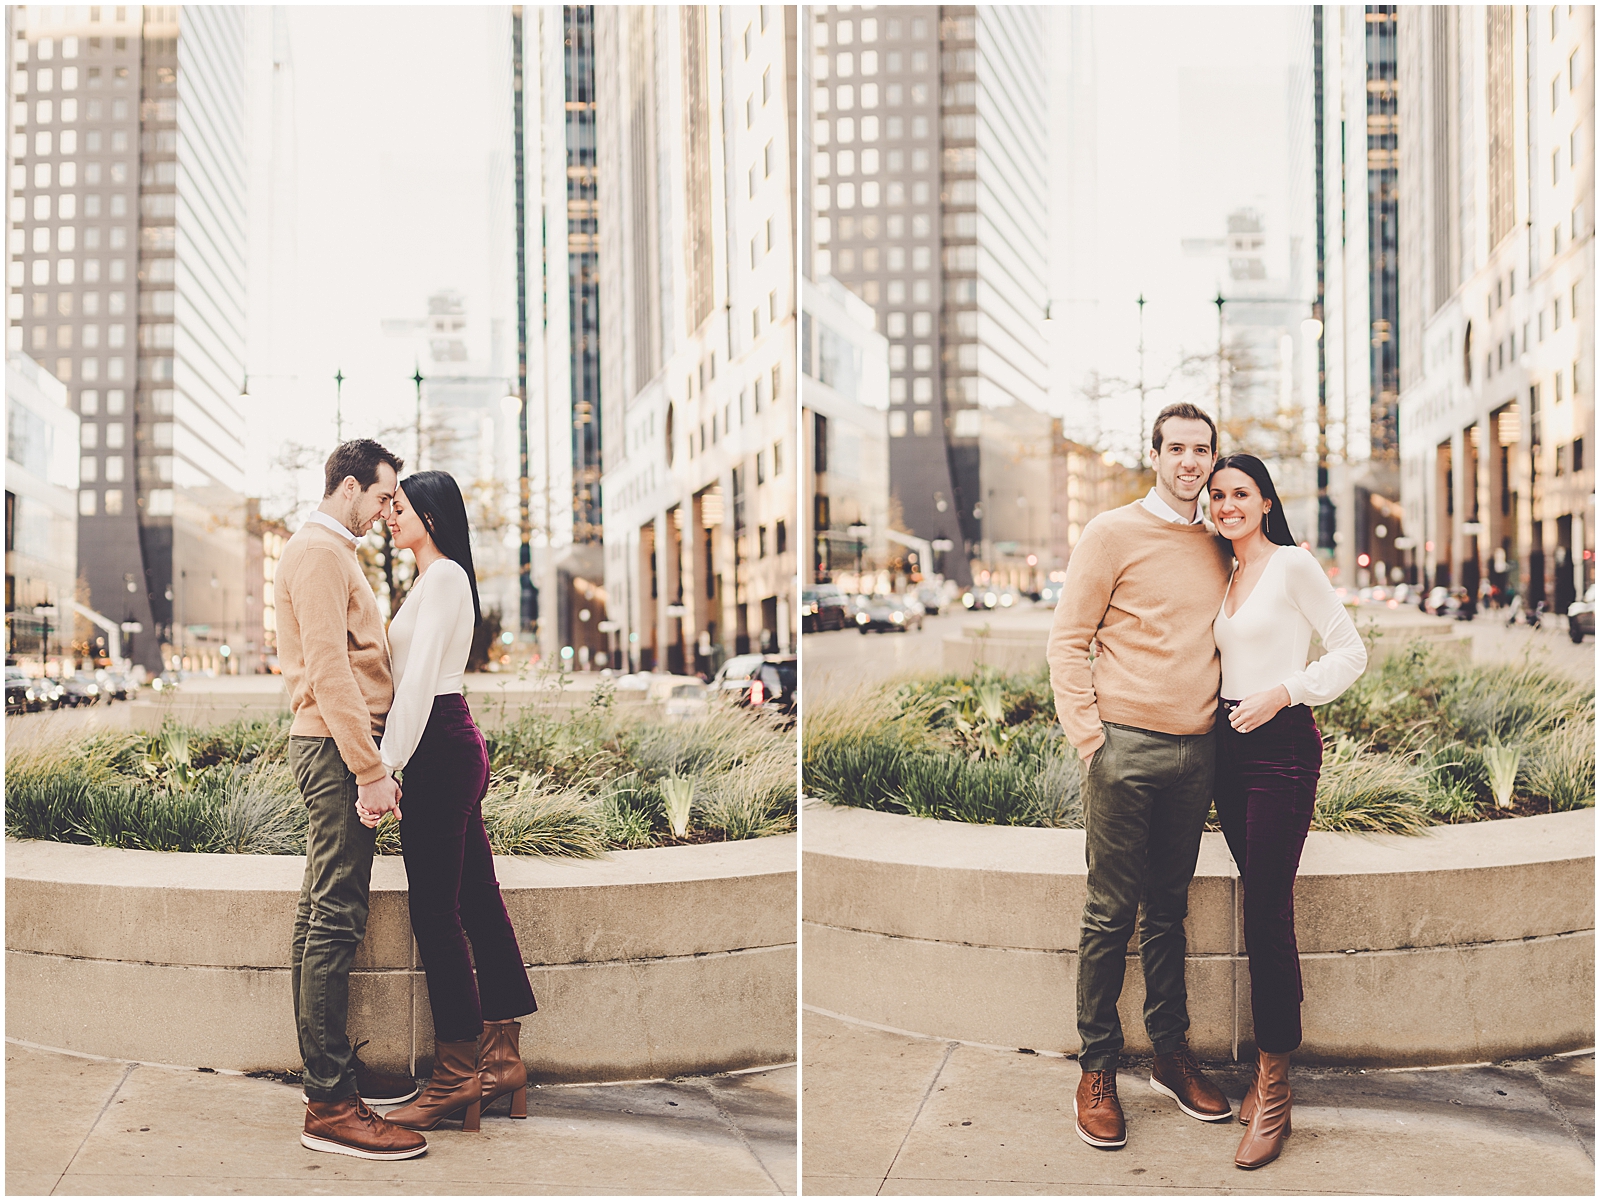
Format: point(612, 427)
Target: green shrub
point(1370, 792)
point(1560, 767)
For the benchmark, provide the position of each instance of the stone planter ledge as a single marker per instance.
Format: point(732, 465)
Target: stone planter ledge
point(1465, 944)
point(646, 964)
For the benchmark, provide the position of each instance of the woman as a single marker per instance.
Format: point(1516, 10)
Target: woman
point(453, 895)
point(1269, 756)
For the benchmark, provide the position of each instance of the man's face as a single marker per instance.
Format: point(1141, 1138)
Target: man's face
point(371, 504)
point(1183, 463)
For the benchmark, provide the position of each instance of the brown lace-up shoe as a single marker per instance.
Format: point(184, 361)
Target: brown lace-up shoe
point(1098, 1112)
point(1178, 1075)
point(348, 1127)
point(381, 1088)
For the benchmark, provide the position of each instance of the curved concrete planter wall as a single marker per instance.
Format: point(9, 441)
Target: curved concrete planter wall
point(1465, 944)
point(646, 964)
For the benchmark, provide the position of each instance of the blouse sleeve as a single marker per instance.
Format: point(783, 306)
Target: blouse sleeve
point(445, 603)
point(1346, 655)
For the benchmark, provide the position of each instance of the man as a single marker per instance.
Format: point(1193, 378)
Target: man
point(335, 658)
point(1143, 586)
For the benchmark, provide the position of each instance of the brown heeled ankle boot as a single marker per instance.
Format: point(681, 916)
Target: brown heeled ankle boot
point(500, 1067)
point(453, 1090)
point(1269, 1124)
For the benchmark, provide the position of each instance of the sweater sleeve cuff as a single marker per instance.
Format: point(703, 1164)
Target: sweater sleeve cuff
point(372, 775)
point(1295, 686)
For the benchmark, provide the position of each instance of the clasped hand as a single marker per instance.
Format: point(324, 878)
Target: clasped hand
point(1258, 709)
point(377, 798)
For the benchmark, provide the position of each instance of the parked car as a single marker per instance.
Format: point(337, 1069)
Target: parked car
point(823, 608)
point(114, 686)
point(20, 694)
point(80, 690)
point(885, 614)
point(931, 597)
point(765, 682)
point(1580, 617)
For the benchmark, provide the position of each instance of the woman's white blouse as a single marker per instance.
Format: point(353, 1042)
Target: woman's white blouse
point(429, 640)
point(1265, 642)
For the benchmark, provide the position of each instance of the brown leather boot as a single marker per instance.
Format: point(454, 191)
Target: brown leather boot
point(348, 1127)
point(1098, 1111)
point(1269, 1125)
point(500, 1066)
point(1178, 1075)
point(1247, 1107)
point(453, 1090)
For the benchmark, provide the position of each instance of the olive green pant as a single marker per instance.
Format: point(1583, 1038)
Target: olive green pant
point(331, 918)
point(1145, 800)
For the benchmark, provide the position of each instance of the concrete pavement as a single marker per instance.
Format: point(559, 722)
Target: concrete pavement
point(892, 1115)
point(84, 1126)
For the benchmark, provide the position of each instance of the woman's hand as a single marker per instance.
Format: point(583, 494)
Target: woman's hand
point(1258, 709)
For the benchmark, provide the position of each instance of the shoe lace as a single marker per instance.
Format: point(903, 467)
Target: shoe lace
point(1101, 1086)
point(355, 1051)
point(1187, 1063)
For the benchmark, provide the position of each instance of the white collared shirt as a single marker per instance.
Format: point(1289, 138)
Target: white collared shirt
point(1166, 512)
point(321, 518)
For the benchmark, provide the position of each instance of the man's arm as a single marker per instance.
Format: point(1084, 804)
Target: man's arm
point(321, 605)
point(1084, 599)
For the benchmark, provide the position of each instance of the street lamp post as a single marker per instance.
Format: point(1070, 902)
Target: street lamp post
point(338, 404)
point(416, 378)
point(859, 533)
point(1221, 363)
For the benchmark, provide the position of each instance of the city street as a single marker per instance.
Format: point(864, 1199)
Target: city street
point(839, 661)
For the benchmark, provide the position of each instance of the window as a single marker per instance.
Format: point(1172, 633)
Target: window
point(761, 542)
point(1572, 149)
point(768, 157)
point(1555, 166)
point(89, 402)
point(781, 531)
point(1577, 455)
point(777, 458)
point(1556, 314)
point(1555, 93)
point(921, 421)
point(749, 40)
point(897, 423)
point(114, 502)
point(1572, 72)
point(114, 434)
point(114, 469)
point(761, 466)
point(86, 503)
point(89, 436)
point(88, 469)
point(776, 377)
point(766, 83)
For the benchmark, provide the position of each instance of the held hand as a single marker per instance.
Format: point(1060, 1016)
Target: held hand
point(377, 798)
point(1257, 709)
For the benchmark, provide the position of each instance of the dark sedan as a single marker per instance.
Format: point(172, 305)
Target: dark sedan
point(886, 614)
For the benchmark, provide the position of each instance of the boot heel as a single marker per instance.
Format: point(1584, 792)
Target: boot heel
point(519, 1102)
point(469, 1119)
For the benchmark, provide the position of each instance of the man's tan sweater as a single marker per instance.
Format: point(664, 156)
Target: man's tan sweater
point(1144, 591)
point(332, 647)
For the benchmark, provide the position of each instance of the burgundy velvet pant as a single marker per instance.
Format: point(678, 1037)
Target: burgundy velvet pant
point(1266, 786)
point(454, 896)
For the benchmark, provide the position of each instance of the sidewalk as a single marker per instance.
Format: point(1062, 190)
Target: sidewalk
point(891, 1114)
point(97, 1126)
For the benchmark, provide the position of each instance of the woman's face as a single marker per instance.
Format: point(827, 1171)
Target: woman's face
point(405, 526)
point(1237, 505)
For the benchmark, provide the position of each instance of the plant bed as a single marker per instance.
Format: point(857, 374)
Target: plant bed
point(565, 782)
point(1420, 740)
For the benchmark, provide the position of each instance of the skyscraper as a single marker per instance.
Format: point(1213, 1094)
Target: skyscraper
point(127, 279)
point(697, 208)
point(929, 170)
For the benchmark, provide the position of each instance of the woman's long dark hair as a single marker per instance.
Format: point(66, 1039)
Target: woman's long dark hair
point(1275, 523)
point(436, 498)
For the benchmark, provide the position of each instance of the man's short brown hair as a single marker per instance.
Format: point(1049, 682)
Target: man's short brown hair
point(358, 457)
point(1188, 412)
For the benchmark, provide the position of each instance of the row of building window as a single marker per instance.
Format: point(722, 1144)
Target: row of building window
point(116, 304)
point(893, 226)
point(872, 193)
point(888, 258)
point(116, 337)
point(46, 112)
point(844, 64)
point(18, 273)
point(44, 79)
point(845, 162)
point(66, 239)
point(844, 96)
point(844, 31)
point(843, 129)
point(93, 176)
point(65, 206)
point(158, 502)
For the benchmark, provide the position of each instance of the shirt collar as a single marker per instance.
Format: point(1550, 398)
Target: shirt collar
point(321, 518)
point(1163, 510)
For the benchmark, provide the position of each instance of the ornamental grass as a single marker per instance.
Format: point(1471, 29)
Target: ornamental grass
point(563, 783)
point(1418, 741)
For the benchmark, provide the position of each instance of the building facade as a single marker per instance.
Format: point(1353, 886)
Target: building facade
point(695, 136)
point(844, 431)
point(1496, 113)
point(41, 513)
point(127, 279)
point(927, 151)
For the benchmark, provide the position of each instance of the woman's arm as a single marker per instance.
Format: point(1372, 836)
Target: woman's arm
point(1346, 655)
point(446, 601)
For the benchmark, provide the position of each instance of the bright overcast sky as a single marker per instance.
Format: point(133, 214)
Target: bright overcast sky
point(1191, 125)
point(385, 172)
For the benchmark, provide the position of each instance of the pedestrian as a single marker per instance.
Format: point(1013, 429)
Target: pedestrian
point(1142, 591)
point(453, 896)
point(1269, 758)
point(336, 663)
